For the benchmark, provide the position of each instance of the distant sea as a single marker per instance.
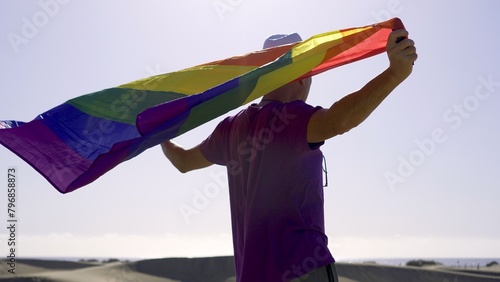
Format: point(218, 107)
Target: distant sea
point(452, 262)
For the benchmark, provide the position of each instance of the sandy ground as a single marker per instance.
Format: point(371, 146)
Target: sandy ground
point(219, 269)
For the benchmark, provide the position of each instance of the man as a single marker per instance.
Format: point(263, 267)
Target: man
point(274, 164)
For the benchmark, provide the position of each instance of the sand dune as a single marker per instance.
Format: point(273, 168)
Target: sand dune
point(218, 269)
point(215, 269)
point(381, 273)
point(112, 272)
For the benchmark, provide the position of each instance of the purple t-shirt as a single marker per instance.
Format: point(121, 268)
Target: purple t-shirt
point(275, 189)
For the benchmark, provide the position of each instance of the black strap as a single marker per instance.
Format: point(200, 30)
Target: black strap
point(331, 276)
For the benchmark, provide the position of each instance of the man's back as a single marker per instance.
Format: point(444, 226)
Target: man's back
point(276, 192)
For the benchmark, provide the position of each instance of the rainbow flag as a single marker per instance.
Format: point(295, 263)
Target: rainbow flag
point(76, 142)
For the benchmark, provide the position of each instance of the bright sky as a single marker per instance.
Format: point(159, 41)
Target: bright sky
point(418, 179)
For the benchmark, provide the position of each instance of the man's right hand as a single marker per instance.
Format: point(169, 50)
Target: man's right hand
point(184, 160)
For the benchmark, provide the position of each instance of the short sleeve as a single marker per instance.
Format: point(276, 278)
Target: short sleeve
point(296, 116)
point(214, 147)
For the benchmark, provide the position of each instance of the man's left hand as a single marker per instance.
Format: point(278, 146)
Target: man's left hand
point(401, 54)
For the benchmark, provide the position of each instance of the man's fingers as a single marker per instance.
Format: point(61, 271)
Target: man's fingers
point(406, 43)
point(400, 47)
point(393, 37)
point(409, 50)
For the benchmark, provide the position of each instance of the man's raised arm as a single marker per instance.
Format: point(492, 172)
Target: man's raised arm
point(184, 160)
point(354, 108)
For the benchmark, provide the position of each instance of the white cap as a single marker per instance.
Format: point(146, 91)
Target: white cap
point(281, 39)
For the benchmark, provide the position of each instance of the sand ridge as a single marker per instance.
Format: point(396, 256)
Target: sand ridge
point(220, 269)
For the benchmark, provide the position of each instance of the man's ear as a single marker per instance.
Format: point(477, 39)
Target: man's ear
point(305, 81)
